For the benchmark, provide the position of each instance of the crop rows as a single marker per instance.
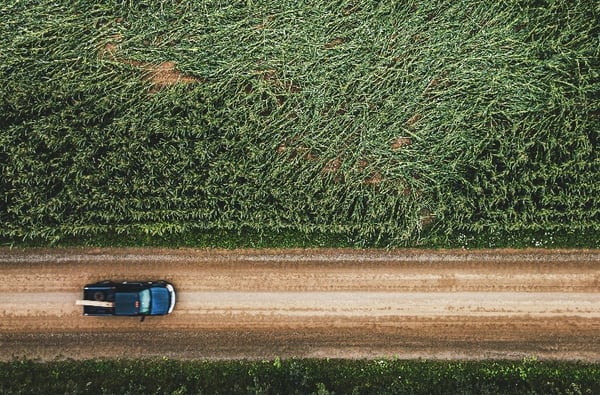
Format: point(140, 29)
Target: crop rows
point(392, 121)
point(299, 376)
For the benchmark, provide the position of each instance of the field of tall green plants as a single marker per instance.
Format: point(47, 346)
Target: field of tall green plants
point(321, 377)
point(376, 122)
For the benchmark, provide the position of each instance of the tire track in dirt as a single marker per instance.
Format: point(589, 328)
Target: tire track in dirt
point(336, 303)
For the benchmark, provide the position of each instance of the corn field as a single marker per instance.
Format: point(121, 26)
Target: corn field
point(393, 121)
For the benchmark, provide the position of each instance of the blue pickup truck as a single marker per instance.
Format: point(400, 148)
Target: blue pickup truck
point(136, 298)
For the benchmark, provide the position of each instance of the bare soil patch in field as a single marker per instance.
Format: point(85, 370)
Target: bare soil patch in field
point(159, 75)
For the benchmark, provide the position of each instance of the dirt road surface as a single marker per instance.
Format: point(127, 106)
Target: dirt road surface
point(309, 303)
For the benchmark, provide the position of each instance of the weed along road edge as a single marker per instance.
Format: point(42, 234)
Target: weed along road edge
point(309, 303)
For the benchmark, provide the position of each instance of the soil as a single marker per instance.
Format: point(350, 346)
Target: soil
point(345, 303)
point(160, 75)
point(401, 142)
point(165, 74)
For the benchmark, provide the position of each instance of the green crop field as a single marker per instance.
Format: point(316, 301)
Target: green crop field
point(386, 123)
point(291, 376)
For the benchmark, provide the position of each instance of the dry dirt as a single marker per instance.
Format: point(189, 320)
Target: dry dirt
point(309, 303)
point(160, 76)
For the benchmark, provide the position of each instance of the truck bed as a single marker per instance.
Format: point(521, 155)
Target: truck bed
point(100, 293)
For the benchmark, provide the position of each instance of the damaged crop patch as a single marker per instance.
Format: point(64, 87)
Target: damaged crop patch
point(162, 75)
point(159, 75)
point(401, 142)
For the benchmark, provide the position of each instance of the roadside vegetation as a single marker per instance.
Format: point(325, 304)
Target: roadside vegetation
point(165, 376)
point(273, 123)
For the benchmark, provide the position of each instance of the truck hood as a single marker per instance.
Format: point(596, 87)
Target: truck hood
point(160, 301)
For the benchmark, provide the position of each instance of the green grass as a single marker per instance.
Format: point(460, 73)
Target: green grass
point(413, 123)
point(298, 377)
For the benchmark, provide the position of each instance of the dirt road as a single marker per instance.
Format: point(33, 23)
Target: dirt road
point(309, 303)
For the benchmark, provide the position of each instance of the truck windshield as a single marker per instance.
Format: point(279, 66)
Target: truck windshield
point(145, 301)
